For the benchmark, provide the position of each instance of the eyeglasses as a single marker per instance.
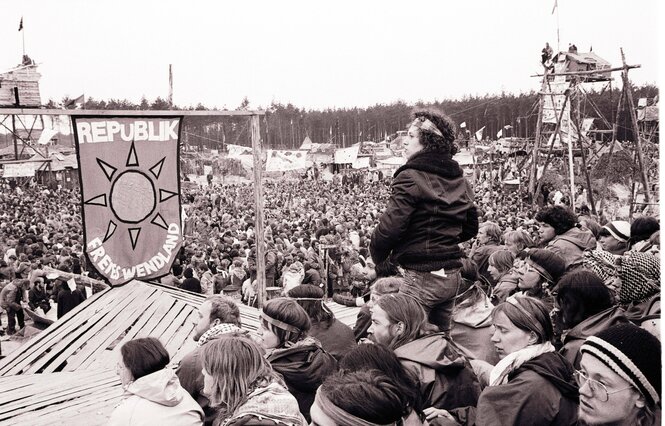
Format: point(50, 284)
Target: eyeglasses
point(598, 389)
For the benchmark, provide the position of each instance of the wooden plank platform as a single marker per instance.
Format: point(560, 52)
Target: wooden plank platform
point(66, 374)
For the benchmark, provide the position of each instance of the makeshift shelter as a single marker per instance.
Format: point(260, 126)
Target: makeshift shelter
point(20, 86)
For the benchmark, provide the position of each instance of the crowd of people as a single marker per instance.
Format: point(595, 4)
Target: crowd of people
point(473, 310)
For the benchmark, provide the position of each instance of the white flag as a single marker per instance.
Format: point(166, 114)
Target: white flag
point(498, 135)
point(479, 134)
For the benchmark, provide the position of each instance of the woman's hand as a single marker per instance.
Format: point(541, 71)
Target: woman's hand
point(432, 413)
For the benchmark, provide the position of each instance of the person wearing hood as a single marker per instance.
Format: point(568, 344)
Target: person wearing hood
point(532, 384)
point(560, 233)
point(446, 378)
point(243, 386)
point(153, 394)
point(431, 210)
point(586, 308)
point(299, 358)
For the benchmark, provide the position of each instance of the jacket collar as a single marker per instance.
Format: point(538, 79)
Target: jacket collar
point(433, 162)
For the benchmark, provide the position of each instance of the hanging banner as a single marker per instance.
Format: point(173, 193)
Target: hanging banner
point(19, 170)
point(282, 160)
point(346, 155)
point(129, 176)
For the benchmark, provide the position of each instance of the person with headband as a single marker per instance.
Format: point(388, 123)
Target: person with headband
point(358, 398)
point(336, 337)
point(299, 358)
point(532, 383)
point(540, 274)
point(620, 377)
point(431, 210)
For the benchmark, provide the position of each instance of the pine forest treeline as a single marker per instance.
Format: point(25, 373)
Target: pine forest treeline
point(285, 126)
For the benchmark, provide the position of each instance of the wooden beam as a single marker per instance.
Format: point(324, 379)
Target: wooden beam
point(126, 112)
point(258, 212)
point(589, 72)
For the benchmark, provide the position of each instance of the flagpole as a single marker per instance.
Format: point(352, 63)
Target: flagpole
point(23, 36)
point(558, 41)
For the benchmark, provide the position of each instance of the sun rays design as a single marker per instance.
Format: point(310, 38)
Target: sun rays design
point(132, 196)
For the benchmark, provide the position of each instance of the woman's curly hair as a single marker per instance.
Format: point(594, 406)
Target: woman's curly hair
point(433, 142)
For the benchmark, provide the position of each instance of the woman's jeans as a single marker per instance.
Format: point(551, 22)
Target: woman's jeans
point(435, 293)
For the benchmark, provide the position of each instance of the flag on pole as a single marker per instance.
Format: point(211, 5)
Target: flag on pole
point(499, 134)
point(76, 103)
point(479, 134)
point(463, 125)
point(20, 26)
point(556, 4)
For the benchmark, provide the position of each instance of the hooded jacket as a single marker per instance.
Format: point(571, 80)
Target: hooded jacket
point(575, 337)
point(429, 213)
point(571, 244)
point(270, 405)
point(157, 399)
point(445, 376)
point(541, 392)
point(304, 366)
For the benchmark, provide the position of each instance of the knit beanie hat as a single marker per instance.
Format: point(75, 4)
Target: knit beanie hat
point(619, 229)
point(631, 352)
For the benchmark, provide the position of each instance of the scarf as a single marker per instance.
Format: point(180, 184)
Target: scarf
point(224, 328)
point(513, 361)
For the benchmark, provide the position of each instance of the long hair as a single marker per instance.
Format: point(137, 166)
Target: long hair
point(310, 297)
point(405, 309)
point(237, 367)
point(289, 312)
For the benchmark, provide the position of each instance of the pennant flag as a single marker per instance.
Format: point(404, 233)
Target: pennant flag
point(20, 26)
point(500, 133)
point(128, 169)
point(463, 125)
point(479, 134)
point(556, 4)
point(76, 103)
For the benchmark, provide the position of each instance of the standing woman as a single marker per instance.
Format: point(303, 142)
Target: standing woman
point(430, 211)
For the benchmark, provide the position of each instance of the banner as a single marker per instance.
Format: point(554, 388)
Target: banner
point(281, 160)
point(129, 176)
point(19, 170)
point(346, 155)
point(237, 150)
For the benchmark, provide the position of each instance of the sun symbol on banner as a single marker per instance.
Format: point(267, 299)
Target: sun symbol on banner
point(132, 196)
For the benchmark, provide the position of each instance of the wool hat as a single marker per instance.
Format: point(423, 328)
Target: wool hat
point(619, 229)
point(631, 352)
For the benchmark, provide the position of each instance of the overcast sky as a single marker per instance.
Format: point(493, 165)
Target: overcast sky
point(314, 54)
